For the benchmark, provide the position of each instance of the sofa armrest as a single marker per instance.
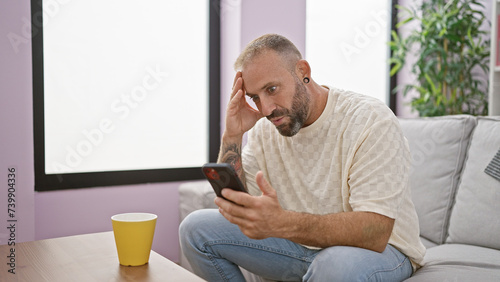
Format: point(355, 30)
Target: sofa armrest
point(195, 195)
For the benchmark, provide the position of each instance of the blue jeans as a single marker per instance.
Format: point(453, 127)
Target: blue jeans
point(215, 248)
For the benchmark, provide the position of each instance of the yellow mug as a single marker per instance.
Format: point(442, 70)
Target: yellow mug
point(133, 237)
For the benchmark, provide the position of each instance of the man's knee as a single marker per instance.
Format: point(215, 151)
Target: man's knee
point(333, 266)
point(343, 263)
point(192, 225)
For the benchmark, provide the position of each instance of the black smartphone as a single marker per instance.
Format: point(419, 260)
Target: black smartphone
point(222, 176)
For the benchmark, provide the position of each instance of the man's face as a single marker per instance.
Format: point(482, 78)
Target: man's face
point(278, 93)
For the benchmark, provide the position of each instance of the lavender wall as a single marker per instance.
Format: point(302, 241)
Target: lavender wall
point(285, 17)
point(16, 129)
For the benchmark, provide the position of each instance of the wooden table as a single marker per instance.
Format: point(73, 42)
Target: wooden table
point(90, 257)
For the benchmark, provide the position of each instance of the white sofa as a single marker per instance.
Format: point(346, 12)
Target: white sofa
point(457, 202)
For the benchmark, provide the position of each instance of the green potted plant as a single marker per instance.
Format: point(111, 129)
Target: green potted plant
point(452, 57)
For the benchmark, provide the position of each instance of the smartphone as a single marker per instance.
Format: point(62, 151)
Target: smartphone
point(222, 176)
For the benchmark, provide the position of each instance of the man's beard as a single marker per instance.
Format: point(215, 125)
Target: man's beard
point(297, 114)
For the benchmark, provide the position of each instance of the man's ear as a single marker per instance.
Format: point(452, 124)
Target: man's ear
point(303, 69)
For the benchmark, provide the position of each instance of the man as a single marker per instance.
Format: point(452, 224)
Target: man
point(327, 172)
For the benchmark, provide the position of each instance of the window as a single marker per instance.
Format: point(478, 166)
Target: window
point(124, 91)
point(346, 44)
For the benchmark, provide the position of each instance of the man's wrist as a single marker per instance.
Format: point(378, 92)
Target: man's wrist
point(286, 225)
point(296, 227)
point(231, 139)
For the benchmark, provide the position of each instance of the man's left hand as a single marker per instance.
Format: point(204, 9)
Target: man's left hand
point(258, 217)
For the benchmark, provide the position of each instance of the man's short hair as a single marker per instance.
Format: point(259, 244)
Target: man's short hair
point(278, 43)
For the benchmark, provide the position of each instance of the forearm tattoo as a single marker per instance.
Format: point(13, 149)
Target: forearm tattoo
point(231, 154)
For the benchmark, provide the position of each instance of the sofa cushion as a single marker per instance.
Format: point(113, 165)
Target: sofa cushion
point(455, 262)
point(438, 147)
point(427, 244)
point(475, 218)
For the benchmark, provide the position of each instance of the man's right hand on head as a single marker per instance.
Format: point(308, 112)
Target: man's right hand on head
point(240, 116)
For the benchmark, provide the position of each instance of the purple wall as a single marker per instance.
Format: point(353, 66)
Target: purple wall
point(16, 126)
point(285, 17)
